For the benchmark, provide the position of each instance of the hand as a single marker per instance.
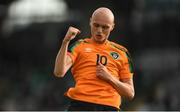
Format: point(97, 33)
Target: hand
point(71, 33)
point(102, 72)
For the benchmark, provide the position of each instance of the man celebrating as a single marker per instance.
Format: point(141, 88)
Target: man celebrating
point(102, 69)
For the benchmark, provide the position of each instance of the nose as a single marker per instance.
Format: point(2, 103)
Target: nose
point(99, 29)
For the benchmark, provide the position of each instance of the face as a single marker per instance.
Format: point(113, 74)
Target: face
point(101, 28)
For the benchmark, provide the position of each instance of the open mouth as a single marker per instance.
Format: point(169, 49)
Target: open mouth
point(99, 35)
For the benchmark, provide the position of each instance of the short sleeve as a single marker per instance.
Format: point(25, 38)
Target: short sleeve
point(127, 68)
point(73, 50)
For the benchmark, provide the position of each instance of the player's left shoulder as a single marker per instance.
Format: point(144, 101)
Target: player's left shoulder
point(118, 46)
point(123, 51)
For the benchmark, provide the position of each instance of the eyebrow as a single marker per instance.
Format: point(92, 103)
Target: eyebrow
point(103, 25)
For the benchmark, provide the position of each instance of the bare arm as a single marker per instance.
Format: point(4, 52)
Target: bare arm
point(124, 87)
point(63, 61)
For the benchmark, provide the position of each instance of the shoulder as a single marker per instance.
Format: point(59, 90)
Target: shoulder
point(118, 46)
point(126, 54)
point(78, 43)
point(121, 49)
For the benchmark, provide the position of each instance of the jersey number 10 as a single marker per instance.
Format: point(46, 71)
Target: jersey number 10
point(102, 59)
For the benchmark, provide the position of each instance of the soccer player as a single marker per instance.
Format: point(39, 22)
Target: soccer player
point(102, 69)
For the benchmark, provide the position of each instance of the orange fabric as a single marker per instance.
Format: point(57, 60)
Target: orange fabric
point(88, 87)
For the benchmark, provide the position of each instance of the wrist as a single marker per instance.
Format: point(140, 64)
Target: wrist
point(66, 41)
point(111, 79)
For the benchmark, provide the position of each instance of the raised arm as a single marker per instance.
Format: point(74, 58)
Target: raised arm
point(63, 61)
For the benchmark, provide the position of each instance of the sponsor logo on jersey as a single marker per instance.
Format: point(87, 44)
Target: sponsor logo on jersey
point(115, 55)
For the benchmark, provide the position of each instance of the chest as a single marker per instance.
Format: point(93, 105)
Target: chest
point(105, 55)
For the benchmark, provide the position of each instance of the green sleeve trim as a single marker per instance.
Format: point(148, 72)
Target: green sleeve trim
point(122, 49)
point(131, 66)
point(75, 44)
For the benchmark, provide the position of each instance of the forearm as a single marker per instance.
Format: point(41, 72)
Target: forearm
point(63, 62)
point(60, 63)
point(122, 88)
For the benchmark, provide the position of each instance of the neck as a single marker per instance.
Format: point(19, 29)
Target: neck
point(98, 42)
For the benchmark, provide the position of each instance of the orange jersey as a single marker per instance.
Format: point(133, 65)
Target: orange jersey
point(85, 55)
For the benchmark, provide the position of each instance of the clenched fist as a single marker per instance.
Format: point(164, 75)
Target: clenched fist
point(71, 33)
point(102, 72)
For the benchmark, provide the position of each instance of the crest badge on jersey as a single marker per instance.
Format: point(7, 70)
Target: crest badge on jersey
point(115, 55)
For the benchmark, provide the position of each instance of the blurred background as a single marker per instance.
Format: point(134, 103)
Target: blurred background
point(31, 32)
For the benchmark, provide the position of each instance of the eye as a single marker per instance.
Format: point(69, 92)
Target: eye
point(96, 25)
point(105, 27)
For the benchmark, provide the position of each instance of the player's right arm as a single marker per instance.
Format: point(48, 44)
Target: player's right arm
point(63, 61)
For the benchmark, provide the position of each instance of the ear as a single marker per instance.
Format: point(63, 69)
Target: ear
point(90, 21)
point(112, 26)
